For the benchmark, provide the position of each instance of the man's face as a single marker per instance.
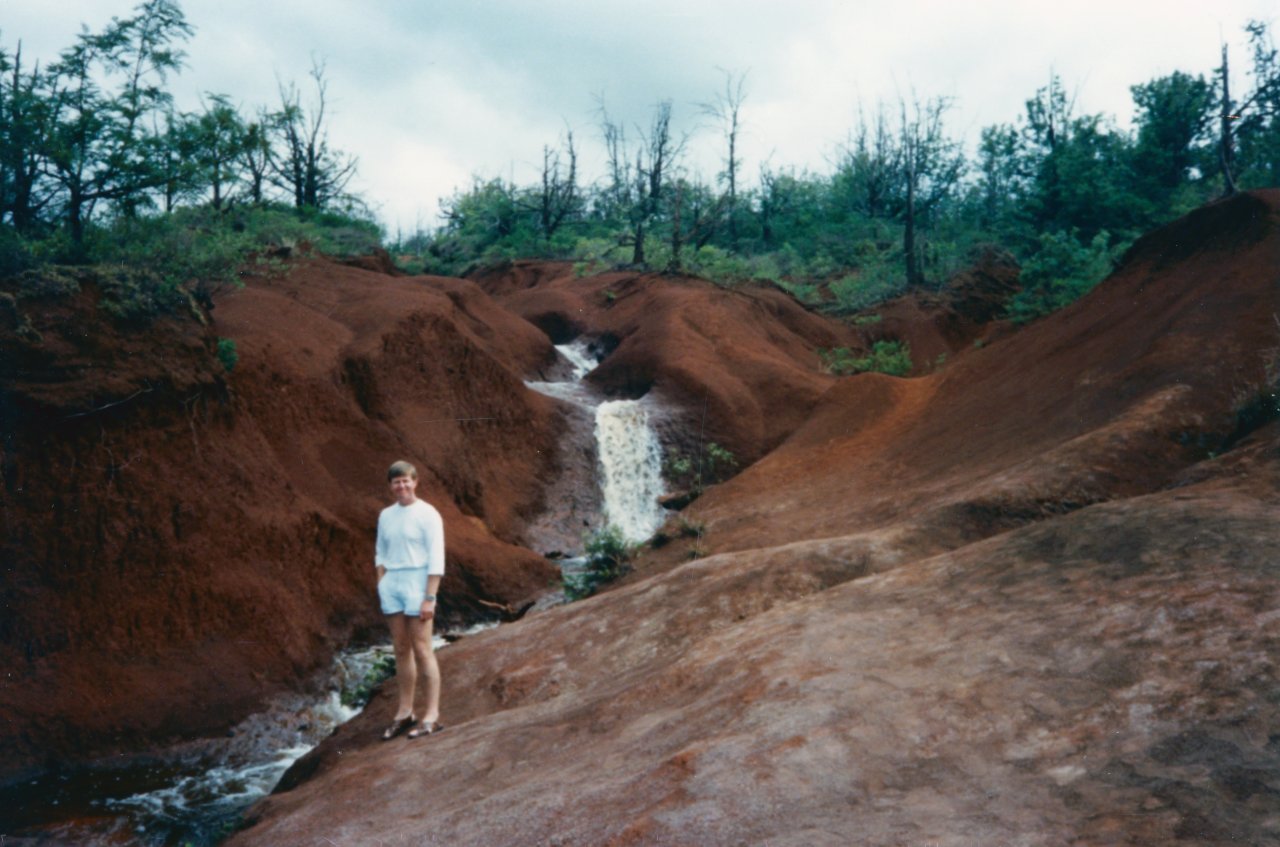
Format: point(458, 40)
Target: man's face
point(403, 488)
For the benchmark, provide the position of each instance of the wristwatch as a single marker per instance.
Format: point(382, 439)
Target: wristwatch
point(430, 598)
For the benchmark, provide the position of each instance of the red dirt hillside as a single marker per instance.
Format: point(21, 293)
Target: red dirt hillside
point(161, 515)
point(1030, 599)
point(742, 365)
point(1111, 397)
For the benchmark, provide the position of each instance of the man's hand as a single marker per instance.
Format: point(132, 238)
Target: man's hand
point(428, 610)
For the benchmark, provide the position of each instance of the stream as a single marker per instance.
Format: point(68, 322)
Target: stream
point(193, 795)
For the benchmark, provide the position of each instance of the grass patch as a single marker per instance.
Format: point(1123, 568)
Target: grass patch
point(886, 357)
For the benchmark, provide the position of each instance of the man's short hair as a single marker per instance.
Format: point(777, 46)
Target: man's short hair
point(401, 469)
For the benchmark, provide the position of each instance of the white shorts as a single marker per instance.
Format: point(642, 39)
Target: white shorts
point(402, 591)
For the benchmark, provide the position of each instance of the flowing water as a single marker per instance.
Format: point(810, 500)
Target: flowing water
point(630, 468)
point(629, 457)
point(192, 794)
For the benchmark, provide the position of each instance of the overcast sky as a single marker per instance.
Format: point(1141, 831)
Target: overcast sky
point(428, 93)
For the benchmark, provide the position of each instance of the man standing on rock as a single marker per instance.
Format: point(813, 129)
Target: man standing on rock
point(410, 562)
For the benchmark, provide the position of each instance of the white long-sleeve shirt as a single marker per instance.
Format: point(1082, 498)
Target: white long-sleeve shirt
point(410, 537)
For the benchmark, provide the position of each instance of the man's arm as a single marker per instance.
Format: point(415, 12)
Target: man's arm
point(428, 610)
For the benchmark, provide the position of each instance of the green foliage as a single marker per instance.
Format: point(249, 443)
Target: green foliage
point(691, 529)
point(1060, 272)
point(886, 357)
point(608, 556)
point(16, 253)
point(901, 208)
point(691, 472)
point(595, 255)
point(92, 139)
point(137, 295)
point(383, 668)
point(879, 278)
point(227, 354)
point(155, 264)
point(1173, 119)
point(1259, 126)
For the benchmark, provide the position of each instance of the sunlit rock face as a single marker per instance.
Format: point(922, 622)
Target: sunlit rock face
point(1027, 599)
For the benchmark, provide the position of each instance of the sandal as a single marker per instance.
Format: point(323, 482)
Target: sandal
point(398, 727)
point(425, 729)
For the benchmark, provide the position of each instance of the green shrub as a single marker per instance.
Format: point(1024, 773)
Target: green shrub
point(711, 464)
point(806, 292)
point(596, 255)
point(609, 556)
point(383, 668)
point(1059, 272)
point(138, 294)
point(886, 357)
point(149, 265)
point(227, 354)
point(17, 254)
point(691, 529)
point(873, 284)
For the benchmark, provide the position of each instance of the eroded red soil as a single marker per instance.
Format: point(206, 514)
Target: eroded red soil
point(1028, 596)
point(181, 542)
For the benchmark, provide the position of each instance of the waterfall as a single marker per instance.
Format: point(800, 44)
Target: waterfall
point(628, 472)
point(631, 468)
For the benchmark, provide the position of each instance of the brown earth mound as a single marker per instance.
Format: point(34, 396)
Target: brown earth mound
point(940, 325)
point(1028, 599)
point(741, 364)
point(180, 542)
point(1111, 397)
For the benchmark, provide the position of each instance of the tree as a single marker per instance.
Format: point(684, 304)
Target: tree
point(931, 168)
point(1172, 118)
point(788, 206)
point(1226, 129)
point(657, 155)
point(255, 155)
point(869, 167)
point(175, 163)
point(726, 107)
point(901, 177)
point(1046, 134)
point(557, 197)
point(485, 216)
point(617, 196)
point(635, 186)
point(1001, 185)
point(1258, 127)
point(695, 214)
point(302, 162)
point(25, 127)
point(1079, 170)
point(218, 138)
point(99, 147)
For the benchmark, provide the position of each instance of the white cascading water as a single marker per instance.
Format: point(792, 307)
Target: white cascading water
point(630, 468)
point(630, 457)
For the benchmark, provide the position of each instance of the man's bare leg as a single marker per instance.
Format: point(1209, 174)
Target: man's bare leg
point(406, 663)
point(421, 630)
